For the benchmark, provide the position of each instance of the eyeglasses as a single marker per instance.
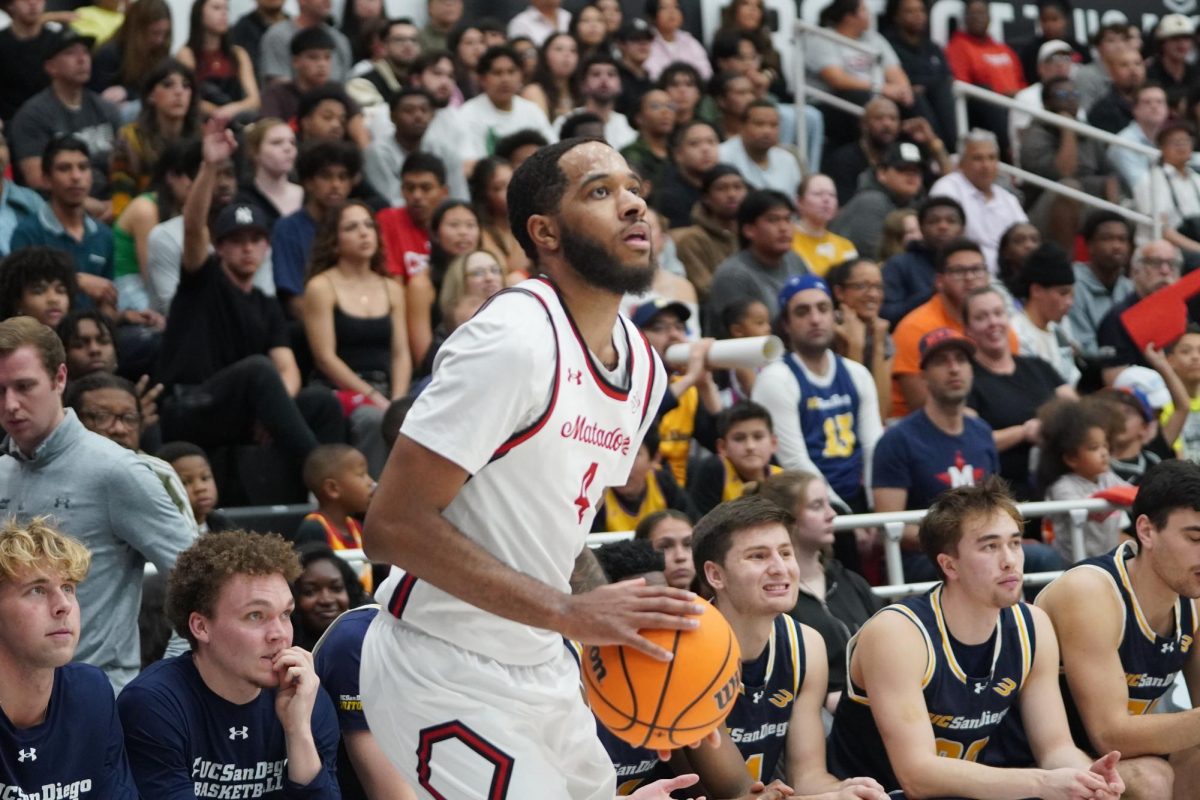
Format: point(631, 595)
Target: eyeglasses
point(1174, 264)
point(864, 286)
point(970, 271)
point(103, 418)
point(479, 272)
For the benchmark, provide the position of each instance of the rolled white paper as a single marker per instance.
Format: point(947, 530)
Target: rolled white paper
point(750, 353)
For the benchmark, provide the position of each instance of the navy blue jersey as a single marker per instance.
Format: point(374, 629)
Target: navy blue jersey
point(185, 741)
point(77, 751)
point(337, 658)
point(1150, 661)
point(758, 723)
point(829, 422)
point(966, 705)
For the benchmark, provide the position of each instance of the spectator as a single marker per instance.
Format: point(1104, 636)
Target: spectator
point(682, 82)
point(712, 236)
point(225, 76)
point(230, 598)
point(247, 33)
point(1102, 281)
point(878, 130)
point(37, 282)
point(756, 153)
point(225, 356)
point(1054, 25)
point(60, 718)
point(632, 41)
point(731, 94)
point(1131, 452)
point(1172, 67)
point(693, 153)
point(67, 107)
point(765, 261)
point(817, 203)
point(64, 222)
point(860, 334)
point(467, 45)
point(17, 203)
point(443, 16)
point(195, 473)
point(271, 152)
point(498, 111)
point(989, 208)
point(1054, 61)
point(670, 533)
point(1016, 244)
point(745, 451)
point(327, 171)
point(537, 22)
point(1008, 390)
point(325, 588)
point(896, 182)
point(453, 231)
point(824, 407)
point(120, 513)
point(88, 339)
point(749, 17)
point(1048, 290)
point(433, 71)
point(23, 45)
point(650, 153)
point(389, 73)
point(1114, 110)
point(276, 54)
point(649, 489)
point(900, 229)
point(909, 277)
point(960, 269)
point(600, 85)
point(1150, 112)
point(412, 112)
point(477, 273)
point(168, 115)
point(977, 58)
point(672, 43)
point(1155, 265)
point(312, 50)
point(1093, 80)
point(489, 194)
point(924, 63)
point(119, 66)
point(1172, 189)
point(553, 86)
point(354, 322)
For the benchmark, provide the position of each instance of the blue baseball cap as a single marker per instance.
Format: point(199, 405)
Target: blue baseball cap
point(644, 314)
point(800, 283)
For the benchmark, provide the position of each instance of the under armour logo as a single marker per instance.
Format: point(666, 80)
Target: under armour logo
point(758, 696)
point(575, 376)
point(27, 755)
point(1168, 647)
point(980, 688)
point(243, 215)
point(239, 733)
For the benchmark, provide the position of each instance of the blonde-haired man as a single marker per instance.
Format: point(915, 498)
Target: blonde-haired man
point(59, 731)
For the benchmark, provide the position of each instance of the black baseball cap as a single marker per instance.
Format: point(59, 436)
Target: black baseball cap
point(238, 217)
point(903, 155)
point(64, 39)
point(632, 29)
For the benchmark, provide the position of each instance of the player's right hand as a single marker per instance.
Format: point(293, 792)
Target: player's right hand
point(777, 790)
point(860, 789)
point(1074, 784)
point(614, 614)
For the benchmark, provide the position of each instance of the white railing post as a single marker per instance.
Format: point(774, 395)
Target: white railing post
point(800, 96)
point(892, 533)
point(1078, 517)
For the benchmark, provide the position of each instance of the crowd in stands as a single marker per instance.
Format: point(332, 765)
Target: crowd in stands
point(228, 270)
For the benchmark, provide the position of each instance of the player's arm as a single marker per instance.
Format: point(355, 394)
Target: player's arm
point(1191, 674)
point(806, 733)
point(380, 780)
point(723, 774)
point(405, 526)
point(1087, 615)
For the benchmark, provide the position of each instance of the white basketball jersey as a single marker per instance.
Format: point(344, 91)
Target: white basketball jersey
point(532, 504)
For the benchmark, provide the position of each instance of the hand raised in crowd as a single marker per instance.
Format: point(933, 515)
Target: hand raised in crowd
point(219, 143)
point(147, 395)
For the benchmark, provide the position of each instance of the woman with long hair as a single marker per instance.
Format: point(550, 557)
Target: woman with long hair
point(224, 71)
point(453, 231)
point(355, 16)
point(353, 316)
point(326, 587)
point(590, 31)
point(749, 16)
point(271, 150)
point(168, 113)
point(489, 194)
point(860, 334)
point(477, 273)
point(552, 87)
point(466, 44)
point(120, 65)
point(899, 228)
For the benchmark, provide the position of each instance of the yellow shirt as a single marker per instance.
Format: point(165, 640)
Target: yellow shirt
point(675, 434)
point(1187, 446)
point(822, 252)
point(97, 22)
point(735, 487)
point(616, 518)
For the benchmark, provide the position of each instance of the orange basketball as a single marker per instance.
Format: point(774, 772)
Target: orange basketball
point(666, 704)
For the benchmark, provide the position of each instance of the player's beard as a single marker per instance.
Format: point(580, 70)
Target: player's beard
point(598, 267)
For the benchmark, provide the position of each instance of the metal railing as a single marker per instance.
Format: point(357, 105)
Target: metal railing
point(800, 77)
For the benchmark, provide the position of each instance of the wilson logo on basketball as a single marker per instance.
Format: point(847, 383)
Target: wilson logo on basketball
point(728, 692)
point(581, 430)
point(597, 663)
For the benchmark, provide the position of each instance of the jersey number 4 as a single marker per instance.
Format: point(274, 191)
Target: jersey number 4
point(839, 436)
point(584, 484)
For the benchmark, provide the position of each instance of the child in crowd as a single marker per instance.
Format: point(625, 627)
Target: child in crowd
point(337, 476)
point(1184, 358)
point(743, 319)
point(745, 446)
point(1129, 452)
point(1074, 466)
point(195, 473)
point(37, 282)
point(650, 488)
point(670, 533)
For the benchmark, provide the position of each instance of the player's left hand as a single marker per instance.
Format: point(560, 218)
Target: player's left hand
point(1106, 767)
point(777, 790)
point(661, 790)
point(860, 789)
point(712, 740)
point(297, 692)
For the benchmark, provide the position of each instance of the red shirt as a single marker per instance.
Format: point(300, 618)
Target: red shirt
point(985, 62)
point(405, 245)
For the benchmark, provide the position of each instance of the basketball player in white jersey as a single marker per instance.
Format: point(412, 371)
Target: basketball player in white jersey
point(537, 404)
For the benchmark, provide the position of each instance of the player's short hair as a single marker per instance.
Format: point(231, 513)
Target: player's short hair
point(310, 100)
point(173, 451)
point(629, 559)
point(424, 162)
point(17, 332)
point(713, 535)
point(526, 137)
point(94, 382)
point(312, 38)
point(649, 522)
point(68, 326)
point(63, 143)
point(324, 462)
point(756, 204)
point(940, 201)
point(212, 561)
point(494, 54)
point(29, 265)
point(742, 411)
point(537, 187)
point(959, 245)
point(942, 528)
point(37, 544)
point(1093, 221)
point(315, 156)
point(1168, 486)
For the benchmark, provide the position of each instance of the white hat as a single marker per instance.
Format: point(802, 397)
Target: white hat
point(1146, 381)
point(1053, 48)
point(1173, 25)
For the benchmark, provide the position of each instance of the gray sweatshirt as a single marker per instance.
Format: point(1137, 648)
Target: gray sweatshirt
point(108, 498)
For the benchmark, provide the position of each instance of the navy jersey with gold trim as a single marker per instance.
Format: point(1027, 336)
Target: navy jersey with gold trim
point(758, 723)
point(1150, 661)
point(965, 710)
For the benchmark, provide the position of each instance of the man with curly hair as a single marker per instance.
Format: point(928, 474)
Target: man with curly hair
point(242, 714)
point(59, 730)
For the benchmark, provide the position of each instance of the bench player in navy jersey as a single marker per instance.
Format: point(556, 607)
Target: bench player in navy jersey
point(59, 731)
point(540, 400)
point(931, 679)
point(1126, 624)
point(242, 714)
point(745, 560)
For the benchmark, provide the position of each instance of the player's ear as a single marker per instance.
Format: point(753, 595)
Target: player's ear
point(198, 625)
point(714, 575)
point(946, 562)
point(1144, 529)
point(544, 231)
